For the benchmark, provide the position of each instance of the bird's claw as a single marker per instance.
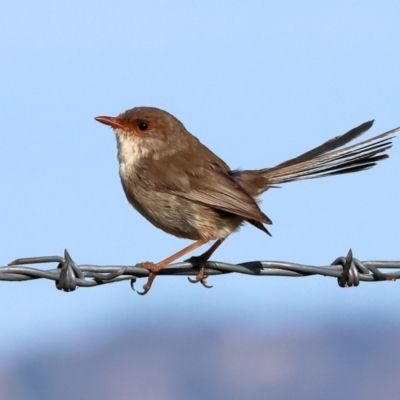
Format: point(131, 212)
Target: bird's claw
point(201, 276)
point(203, 281)
point(153, 269)
point(146, 288)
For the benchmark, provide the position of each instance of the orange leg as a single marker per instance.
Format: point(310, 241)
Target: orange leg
point(154, 269)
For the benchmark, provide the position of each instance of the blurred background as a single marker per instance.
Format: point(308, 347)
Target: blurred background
point(258, 82)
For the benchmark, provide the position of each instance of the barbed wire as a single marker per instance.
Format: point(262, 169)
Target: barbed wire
point(68, 275)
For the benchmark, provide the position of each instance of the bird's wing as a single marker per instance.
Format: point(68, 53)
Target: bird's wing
point(219, 190)
point(208, 183)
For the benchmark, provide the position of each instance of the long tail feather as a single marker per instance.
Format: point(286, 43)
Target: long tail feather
point(324, 160)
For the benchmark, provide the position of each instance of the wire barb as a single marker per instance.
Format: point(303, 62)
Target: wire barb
point(68, 275)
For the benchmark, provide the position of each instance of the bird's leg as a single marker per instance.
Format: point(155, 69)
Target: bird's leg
point(154, 269)
point(201, 262)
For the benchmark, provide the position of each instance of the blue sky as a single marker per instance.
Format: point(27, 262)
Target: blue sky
point(258, 82)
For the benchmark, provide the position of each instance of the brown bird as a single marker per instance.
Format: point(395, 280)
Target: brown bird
point(183, 188)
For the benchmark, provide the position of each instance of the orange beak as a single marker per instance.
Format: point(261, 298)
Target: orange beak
point(110, 121)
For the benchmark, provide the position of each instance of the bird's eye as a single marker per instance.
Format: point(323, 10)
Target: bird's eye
point(143, 126)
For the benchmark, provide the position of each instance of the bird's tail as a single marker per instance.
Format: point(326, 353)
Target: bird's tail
point(325, 160)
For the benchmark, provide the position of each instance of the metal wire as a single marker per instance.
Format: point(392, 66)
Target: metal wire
point(68, 275)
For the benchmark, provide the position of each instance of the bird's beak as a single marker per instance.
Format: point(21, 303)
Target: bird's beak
point(114, 122)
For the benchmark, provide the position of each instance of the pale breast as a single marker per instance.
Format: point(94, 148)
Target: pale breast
point(130, 152)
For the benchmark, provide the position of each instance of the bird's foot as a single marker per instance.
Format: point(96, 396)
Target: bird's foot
point(154, 269)
point(201, 276)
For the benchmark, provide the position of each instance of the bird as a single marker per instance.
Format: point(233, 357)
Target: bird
point(183, 188)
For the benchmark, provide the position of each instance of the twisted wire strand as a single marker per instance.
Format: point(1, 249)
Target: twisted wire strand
point(68, 275)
